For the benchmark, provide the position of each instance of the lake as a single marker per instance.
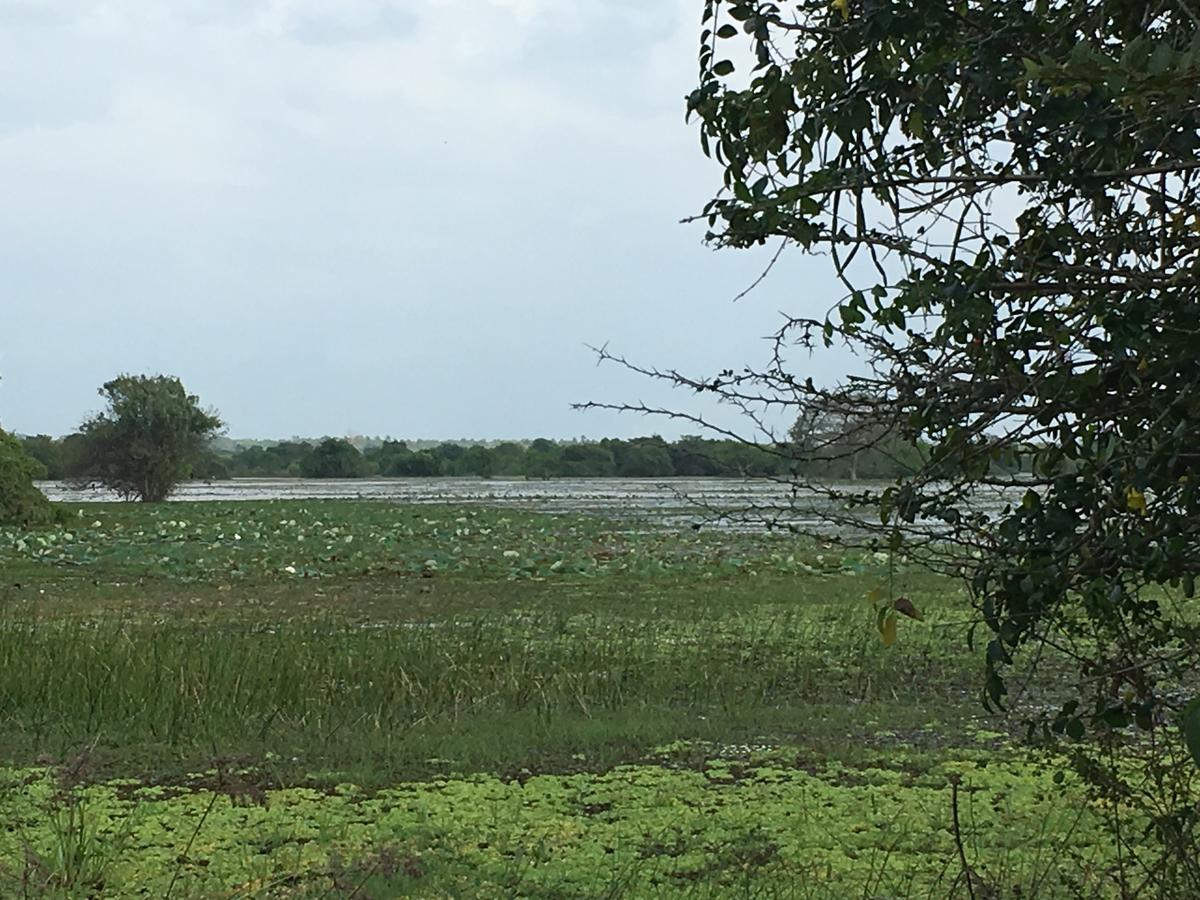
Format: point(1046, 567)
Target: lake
point(728, 503)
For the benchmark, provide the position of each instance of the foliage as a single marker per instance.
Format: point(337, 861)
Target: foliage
point(856, 456)
point(279, 460)
point(21, 503)
point(395, 459)
point(1008, 194)
point(849, 444)
point(333, 458)
point(1062, 333)
point(642, 458)
point(150, 436)
point(204, 542)
point(46, 451)
point(577, 460)
point(736, 821)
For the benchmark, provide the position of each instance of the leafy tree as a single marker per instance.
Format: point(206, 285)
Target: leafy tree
point(252, 461)
point(390, 457)
point(21, 503)
point(477, 460)
point(210, 466)
point(395, 459)
point(829, 442)
point(586, 461)
point(451, 453)
point(543, 459)
point(277, 460)
point(47, 452)
point(333, 458)
point(642, 458)
point(424, 464)
point(149, 437)
point(508, 458)
point(1008, 194)
point(693, 456)
point(75, 457)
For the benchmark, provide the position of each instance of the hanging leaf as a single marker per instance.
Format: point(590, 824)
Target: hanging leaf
point(904, 606)
point(888, 630)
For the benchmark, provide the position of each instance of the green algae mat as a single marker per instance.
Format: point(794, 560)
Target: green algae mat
point(752, 824)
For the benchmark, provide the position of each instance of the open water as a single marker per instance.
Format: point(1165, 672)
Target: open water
point(740, 504)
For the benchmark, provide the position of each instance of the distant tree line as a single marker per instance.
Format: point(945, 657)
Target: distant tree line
point(854, 453)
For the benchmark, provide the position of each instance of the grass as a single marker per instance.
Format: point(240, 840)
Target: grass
point(358, 699)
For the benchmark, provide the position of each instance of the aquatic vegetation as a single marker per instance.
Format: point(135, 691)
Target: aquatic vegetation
point(313, 698)
point(308, 539)
point(761, 819)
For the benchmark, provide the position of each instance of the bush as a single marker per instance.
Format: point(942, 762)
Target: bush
point(20, 502)
point(150, 436)
point(333, 458)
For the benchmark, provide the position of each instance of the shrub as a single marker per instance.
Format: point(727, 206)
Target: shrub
point(21, 503)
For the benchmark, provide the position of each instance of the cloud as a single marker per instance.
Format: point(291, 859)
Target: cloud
point(320, 212)
point(28, 14)
point(354, 21)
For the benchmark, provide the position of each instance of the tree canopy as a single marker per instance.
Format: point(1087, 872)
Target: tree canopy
point(1008, 194)
point(148, 438)
point(333, 458)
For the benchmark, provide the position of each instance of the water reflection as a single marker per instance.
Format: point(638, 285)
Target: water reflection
point(727, 503)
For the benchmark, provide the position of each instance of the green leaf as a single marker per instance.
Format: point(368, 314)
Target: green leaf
point(726, 31)
point(723, 68)
point(916, 124)
point(888, 630)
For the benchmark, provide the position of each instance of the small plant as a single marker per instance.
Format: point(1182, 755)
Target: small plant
point(378, 873)
point(81, 850)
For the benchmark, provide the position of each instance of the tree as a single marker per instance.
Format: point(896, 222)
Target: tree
point(476, 461)
point(276, 460)
point(586, 461)
point(693, 456)
point(508, 458)
point(21, 503)
point(642, 458)
point(333, 458)
point(46, 451)
point(75, 457)
point(390, 457)
point(149, 437)
point(543, 459)
point(1008, 194)
point(834, 443)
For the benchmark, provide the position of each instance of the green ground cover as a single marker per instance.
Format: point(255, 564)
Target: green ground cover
point(359, 699)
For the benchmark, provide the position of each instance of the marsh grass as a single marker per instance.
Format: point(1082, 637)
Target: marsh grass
point(536, 672)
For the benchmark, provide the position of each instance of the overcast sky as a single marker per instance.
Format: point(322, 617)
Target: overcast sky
point(363, 217)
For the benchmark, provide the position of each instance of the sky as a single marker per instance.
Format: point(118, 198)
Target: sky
point(366, 217)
